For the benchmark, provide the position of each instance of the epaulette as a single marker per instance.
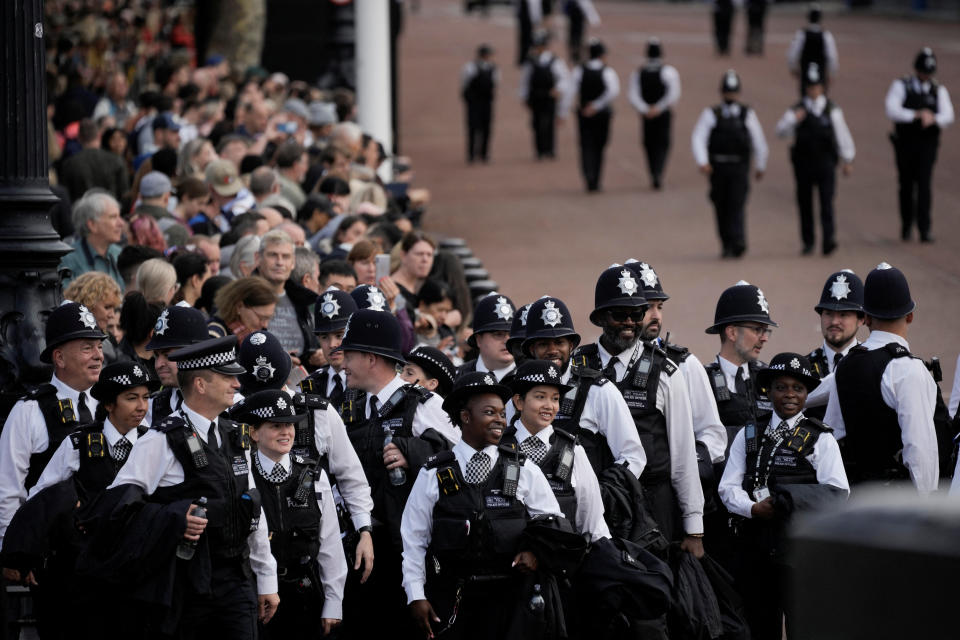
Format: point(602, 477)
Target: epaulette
point(45, 389)
point(600, 380)
point(804, 436)
point(423, 393)
point(170, 423)
point(669, 366)
point(897, 350)
point(309, 462)
point(511, 449)
point(310, 400)
point(676, 353)
point(563, 433)
point(440, 459)
point(816, 424)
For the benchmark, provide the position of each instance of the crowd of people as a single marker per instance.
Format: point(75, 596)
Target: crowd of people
point(278, 409)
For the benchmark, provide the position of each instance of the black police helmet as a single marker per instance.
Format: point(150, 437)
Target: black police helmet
point(596, 48)
point(886, 294)
point(788, 364)
point(843, 291)
point(730, 82)
point(369, 297)
point(493, 313)
point(648, 279)
point(69, 321)
point(814, 14)
point(742, 302)
point(533, 373)
point(471, 384)
point(549, 318)
point(617, 287)
point(178, 326)
point(216, 354)
point(267, 364)
point(518, 328)
point(813, 74)
point(925, 62)
point(331, 310)
point(654, 48)
point(118, 377)
point(436, 365)
point(376, 332)
point(268, 405)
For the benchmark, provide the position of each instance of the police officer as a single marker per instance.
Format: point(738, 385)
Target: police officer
point(579, 12)
point(884, 400)
point(518, 332)
point(919, 108)
point(492, 319)
point(394, 428)
point(40, 421)
point(724, 139)
point(597, 86)
point(529, 16)
point(756, 18)
point(722, 24)
point(304, 534)
point(593, 409)
point(542, 88)
point(654, 89)
point(331, 311)
point(478, 84)
point(769, 463)
point(431, 369)
point(841, 316)
point(178, 326)
point(195, 453)
point(812, 44)
point(656, 395)
point(467, 510)
point(821, 138)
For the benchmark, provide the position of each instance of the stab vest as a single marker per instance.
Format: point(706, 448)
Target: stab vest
point(480, 86)
point(316, 384)
point(557, 467)
point(476, 528)
point(788, 464)
point(571, 408)
point(912, 99)
point(814, 137)
point(814, 50)
point(160, 405)
point(97, 467)
point(60, 417)
point(221, 475)
point(821, 368)
point(737, 410)
point(729, 139)
point(652, 87)
point(592, 85)
point(293, 514)
point(541, 82)
point(304, 442)
point(873, 440)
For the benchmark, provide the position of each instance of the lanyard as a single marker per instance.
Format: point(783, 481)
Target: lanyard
point(777, 441)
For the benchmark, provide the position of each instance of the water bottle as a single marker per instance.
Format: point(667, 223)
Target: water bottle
point(187, 548)
point(536, 604)
point(397, 476)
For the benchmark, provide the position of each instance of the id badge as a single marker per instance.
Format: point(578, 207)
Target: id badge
point(761, 494)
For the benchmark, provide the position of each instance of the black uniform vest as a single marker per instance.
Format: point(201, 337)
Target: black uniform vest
point(913, 130)
point(487, 545)
point(814, 137)
point(729, 139)
point(814, 50)
point(293, 515)
point(737, 410)
point(652, 87)
point(60, 417)
point(541, 81)
point(821, 368)
point(788, 463)
point(97, 468)
point(592, 85)
point(160, 405)
point(873, 439)
point(480, 87)
point(316, 384)
point(304, 444)
point(221, 476)
point(571, 408)
point(557, 467)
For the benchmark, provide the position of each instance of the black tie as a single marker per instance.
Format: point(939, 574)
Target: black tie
point(374, 403)
point(609, 372)
point(837, 357)
point(337, 388)
point(740, 383)
point(212, 441)
point(83, 411)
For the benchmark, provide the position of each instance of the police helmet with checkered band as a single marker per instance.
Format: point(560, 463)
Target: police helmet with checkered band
point(534, 373)
point(118, 377)
point(216, 354)
point(269, 405)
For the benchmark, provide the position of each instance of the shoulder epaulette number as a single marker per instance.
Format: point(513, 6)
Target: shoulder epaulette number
point(170, 423)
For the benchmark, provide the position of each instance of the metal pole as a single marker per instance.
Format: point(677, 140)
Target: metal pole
point(372, 18)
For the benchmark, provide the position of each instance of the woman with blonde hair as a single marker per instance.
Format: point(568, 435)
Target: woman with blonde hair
point(100, 293)
point(157, 281)
point(243, 306)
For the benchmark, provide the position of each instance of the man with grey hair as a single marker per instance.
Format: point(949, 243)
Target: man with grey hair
point(349, 136)
point(243, 257)
point(306, 269)
point(263, 182)
point(96, 218)
point(295, 232)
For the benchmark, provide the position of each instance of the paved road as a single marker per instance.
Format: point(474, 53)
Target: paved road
point(538, 232)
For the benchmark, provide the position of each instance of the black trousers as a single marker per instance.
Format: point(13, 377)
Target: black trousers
point(822, 174)
point(756, 16)
point(229, 611)
point(662, 502)
point(524, 34)
point(722, 23)
point(594, 134)
point(656, 143)
point(300, 610)
point(575, 23)
point(479, 118)
point(915, 160)
point(543, 121)
point(729, 185)
point(764, 583)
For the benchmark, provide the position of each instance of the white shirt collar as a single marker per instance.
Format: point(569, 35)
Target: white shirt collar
point(113, 436)
point(523, 433)
point(815, 106)
point(730, 370)
point(881, 338)
point(500, 373)
point(776, 419)
point(267, 464)
point(384, 394)
point(830, 351)
point(594, 64)
point(333, 375)
point(623, 357)
point(200, 423)
point(464, 452)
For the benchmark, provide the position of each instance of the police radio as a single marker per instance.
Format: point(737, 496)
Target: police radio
point(750, 440)
point(196, 450)
point(511, 477)
point(719, 383)
point(304, 486)
point(565, 464)
point(643, 371)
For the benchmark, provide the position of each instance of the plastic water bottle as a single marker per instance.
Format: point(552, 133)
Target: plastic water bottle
point(397, 475)
point(187, 548)
point(536, 604)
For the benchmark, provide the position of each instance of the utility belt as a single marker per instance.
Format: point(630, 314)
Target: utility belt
point(654, 479)
point(723, 158)
point(294, 572)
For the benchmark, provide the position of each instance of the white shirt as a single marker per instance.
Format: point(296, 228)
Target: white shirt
point(330, 438)
point(825, 458)
point(560, 79)
point(416, 527)
point(24, 434)
point(66, 460)
point(845, 147)
point(499, 373)
point(955, 391)
point(707, 121)
point(707, 426)
point(606, 412)
point(908, 388)
point(730, 372)
point(331, 381)
point(330, 557)
point(674, 403)
point(796, 48)
point(429, 415)
point(586, 487)
point(898, 93)
point(152, 464)
point(821, 395)
point(175, 399)
point(611, 85)
point(671, 81)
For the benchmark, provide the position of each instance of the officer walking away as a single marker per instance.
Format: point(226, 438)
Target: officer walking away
point(579, 12)
point(792, 463)
point(919, 108)
point(841, 316)
point(756, 22)
point(467, 512)
point(812, 44)
point(304, 531)
point(724, 139)
point(176, 327)
point(492, 319)
point(654, 89)
point(478, 85)
point(542, 88)
point(820, 139)
point(884, 401)
point(597, 86)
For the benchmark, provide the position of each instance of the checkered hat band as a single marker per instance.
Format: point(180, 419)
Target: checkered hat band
point(209, 360)
point(264, 412)
point(124, 379)
point(533, 377)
